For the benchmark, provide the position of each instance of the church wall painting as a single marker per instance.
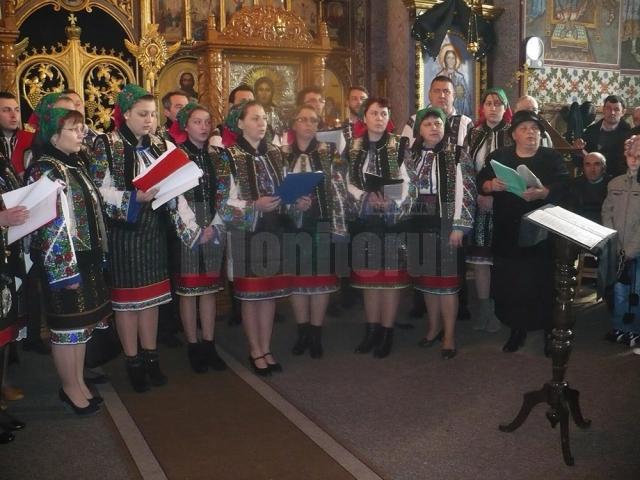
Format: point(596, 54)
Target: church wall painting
point(169, 15)
point(590, 51)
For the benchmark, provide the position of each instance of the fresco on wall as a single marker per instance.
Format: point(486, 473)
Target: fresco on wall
point(169, 16)
point(630, 48)
point(577, 32)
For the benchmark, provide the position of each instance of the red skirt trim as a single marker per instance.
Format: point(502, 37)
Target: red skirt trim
point(261, 284)
point(195, 281)
point(438, 282)
point(314, 281)
point(141, 294)
point(376, 277)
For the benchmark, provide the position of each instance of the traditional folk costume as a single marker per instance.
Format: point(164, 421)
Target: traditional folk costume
point(71, 249)
point(382, 261)
point(522, 280)
point(481, 141)
point(314, 270)
point(244, 175)
point(444, 192)
point(137, 233)
point(199, 266)
point(11, 265)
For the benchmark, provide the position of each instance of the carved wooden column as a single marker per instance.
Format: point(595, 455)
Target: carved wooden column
point(400, 59)
point(9, 51)
point(211, 74)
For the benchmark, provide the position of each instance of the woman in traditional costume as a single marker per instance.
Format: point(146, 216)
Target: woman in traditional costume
point(138, 256)
point(489, 134)
point(11, 266)
point(322, 214)
point(70, 254)
point(443, 188)
point(198, 278)
point(376, 160)
point(522, 280)
point(249, 173)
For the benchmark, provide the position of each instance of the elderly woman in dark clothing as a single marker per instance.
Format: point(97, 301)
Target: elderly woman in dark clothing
point(523, 271)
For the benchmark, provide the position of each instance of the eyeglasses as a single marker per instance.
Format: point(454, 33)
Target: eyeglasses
point(81, 130)
point(311, 120)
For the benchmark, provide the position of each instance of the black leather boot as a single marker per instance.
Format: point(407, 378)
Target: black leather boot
point(152, 367)
point(371, 338)
point(303, 339)
point(516, 340)
point(383, 348)
point(212, 357)
point(137, 374)
point(315, 342)
point(197, 357)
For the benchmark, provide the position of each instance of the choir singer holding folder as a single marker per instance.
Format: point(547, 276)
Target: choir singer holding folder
point(249, 173)
point(522, 280)
point(138, 256)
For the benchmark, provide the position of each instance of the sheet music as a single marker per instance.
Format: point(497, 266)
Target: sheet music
point(40, 199)
point(393, 192)
point(570, 225)
point(529, 177)
point(180, 181)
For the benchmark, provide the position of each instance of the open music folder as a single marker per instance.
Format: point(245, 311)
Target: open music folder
point(172, 173)
point(577, 229)
point(40, 199)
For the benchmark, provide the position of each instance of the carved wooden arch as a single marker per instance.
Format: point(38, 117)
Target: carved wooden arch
point(122, 11)
point(264, 36)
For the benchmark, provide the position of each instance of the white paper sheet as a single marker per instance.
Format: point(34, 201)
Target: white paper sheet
point(40, 200)
point(177, 183)
point(333, 136)
point(570, 225)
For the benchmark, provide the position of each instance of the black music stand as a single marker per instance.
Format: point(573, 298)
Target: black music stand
point(556, 393)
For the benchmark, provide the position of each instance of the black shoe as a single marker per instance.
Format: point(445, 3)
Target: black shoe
point(516, 340)
point(273, 367)
point(315, 342)
point(37, 346)
point(448, 353)
point(8, 422)
point(96, 400)
point(82, 411)
point(197, 357)
point(426, 343)
point(6, 436)
point(213, 359)
point(278, 318)
point(371, 338)
point(613, 335)
point(261, 371)
point(386, 341)
point(137, 374)
point(96, 379)
point(303, 339)
point(152, 367)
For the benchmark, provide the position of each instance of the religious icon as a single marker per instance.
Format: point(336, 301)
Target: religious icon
point(450, 63)
point(187, 83)
point(169, 16)
point(200, 12)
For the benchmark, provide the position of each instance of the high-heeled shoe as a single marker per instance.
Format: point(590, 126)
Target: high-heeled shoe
point(8, 422)
point(386, 341)
point(6, 436)
point(516, 340)
point(371, 338)
point(96, 400)
point(426, 343)
point(261, 371)
point(81, 411)
point(274, 367)
point(448, 353)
